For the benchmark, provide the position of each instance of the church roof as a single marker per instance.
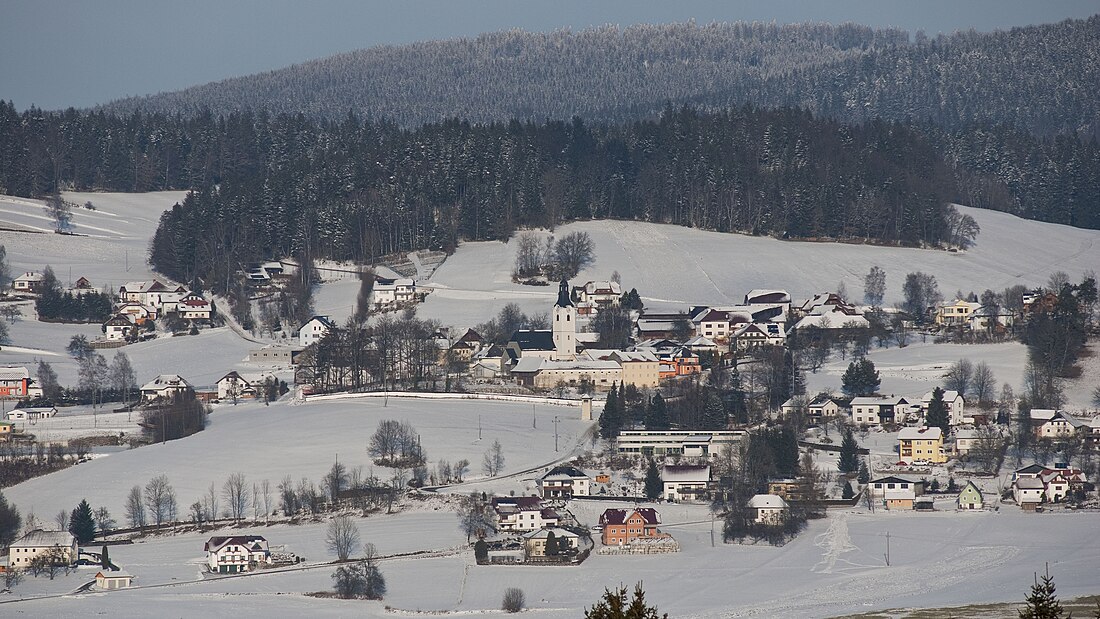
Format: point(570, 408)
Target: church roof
point(564, 299)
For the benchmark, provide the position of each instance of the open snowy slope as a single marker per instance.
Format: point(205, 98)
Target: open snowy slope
point(672, 265)
point(270, 442)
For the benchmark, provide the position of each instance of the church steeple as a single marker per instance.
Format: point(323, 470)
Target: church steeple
point(564, 299)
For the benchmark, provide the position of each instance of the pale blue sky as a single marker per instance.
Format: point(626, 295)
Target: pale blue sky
point(59, 53)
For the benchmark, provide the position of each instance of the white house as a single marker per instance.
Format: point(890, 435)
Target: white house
point(1049, 423)
point(1028, 491)
point(32, 413)
point(165, 386)
point(235, 554)
point(119, 327)
point(241, 385)
point(875, 411)
point(154, 294)
point(525, 513)
point(23, 551)
point(193, 307)
point(770, 509)
point(138, 311)
point(965, 440)
point(757, 334)
point(393, 292)
point(687, 443)
point(685, 483)
point(896, 492)
point(563, 482)
point(30, 281)
point(314, 329)
point(601, 293)
point(108, 580)
point(955, 405)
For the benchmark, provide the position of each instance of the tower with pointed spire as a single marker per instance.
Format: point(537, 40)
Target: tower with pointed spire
point(565, 325)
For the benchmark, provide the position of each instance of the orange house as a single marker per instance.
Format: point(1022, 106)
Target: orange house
point(621, 526)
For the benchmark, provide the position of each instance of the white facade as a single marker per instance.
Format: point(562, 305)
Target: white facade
point(232, 555)
point(687, 443)
point(24, 550)
point(164, 386)
point(564, 327)
point(523, 514)
point(109, 581)
point(955, 407)
point(685, 483)
point(393, 292)
point(314, 329)
point(770, 509)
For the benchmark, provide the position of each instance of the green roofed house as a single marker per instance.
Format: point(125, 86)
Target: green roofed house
point(970, 497)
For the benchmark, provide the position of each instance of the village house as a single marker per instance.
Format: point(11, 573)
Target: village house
point(1028, 492)
point(463, 350)
point(6, 428)
point(236, 554)
point(119, 327)
point(877, 411)
point(1050, 485)
point(546, 374)
point(1049, 423)
point(32, 413)
point(237, 385)
point(15, 382)
point(639, 368)
point(955, 407)
point(164, 387)
point(622, 526)
point(970, 497)
point(523, 514)
point(827, 312)
point(965, 440)
point(23, 551)
point(764, 296)
point(31, 282)
point(755, 335)
point(956, 313)
point(792, 490)
point(193, 307)
point(393, 293)
point(314, 329)
point(107, 580)
point(896, 492)
point(275, 355)
point(601, 293)
point(991, 319)
point(921, 444)
point(770, 509)
point(685, 483)
point(718, 325)
point(139, 312)
point(687, 443)
point(153, 294)
point(81, 287)
point(564, 482)
point(535, 542)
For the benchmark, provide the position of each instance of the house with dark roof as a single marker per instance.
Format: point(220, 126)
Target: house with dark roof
point(314, 329)
point(563, 482)
point(622, 526)
point(896, 492)
point(236, 553)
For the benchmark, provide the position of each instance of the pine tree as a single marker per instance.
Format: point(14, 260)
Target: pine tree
point(937, 416)
point(657, 413)
point(653, 484)
point(714, 412)
point(1042, 603)
point(864, 474)
point(104, 558)
point(81, 523)
point(551, 544)
point(861, 378)
point(611, 417)
point(849, 453)
point(848, 492)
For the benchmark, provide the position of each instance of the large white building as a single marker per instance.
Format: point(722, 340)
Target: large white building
point(688, 443)
point(235, 554)
point(24, 550)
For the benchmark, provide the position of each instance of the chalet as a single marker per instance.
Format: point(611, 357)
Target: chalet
point(164, 387)
point(15, 382)
point(81, 287)
point(314, 329)
point(685, 483)
point(32, 414)
point(688, 443)
point(31, 281)
point(139, 312)
point(955, 402)
point(970, 497)
point(109, 581)
point(392, 293)
point(876, 411)
point(956, 313)
point(622, 526)
point(756, 335)
point(600, 293)
point(535, 542)
point(896, 492)
point(119, 327)
point(523, 514)
point(38, 542)
point(193, 307)
point(235, 554)
point(1049, 423)
point(917, 444)
point(770, 509)
point(564, 482)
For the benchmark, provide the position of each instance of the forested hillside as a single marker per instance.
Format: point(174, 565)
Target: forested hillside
point(1039, 78)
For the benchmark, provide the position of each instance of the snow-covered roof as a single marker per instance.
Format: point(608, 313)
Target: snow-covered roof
point(767, 501)
point(603, 288)
point(564, 472)
point(39, 539)
point(1042, 414)
point(948, 396)
point(635, 356)
point(685, 473)
point(544, 533)
point(878, 401)
point(908, 434)
point(965, 434)
point(14, 373)
point(165, 381)
point(700, 342)
point(30, 276)
point(1030, 483)
point(832, 320)
point(764, 295)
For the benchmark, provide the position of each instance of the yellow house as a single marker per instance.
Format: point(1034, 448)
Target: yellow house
point(5, 430)
point(916, 444)
point(956, 313)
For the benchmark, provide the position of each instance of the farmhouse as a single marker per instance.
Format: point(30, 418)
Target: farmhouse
point(31, 281)
point(165, 387)
point(688, 443)
point(235, 554)
point(564, 482)
point(119, 327)
point(755, 335)
point(193, 307)
point(600, 293)
point(38, 542)
point(770, 509)
point(621, 526)
point(535, 542)
point(15, 382)
point(390, 293)
point(685, 483)
point(275, 355)
point(237, 385)
point(896, 492)
point(970, 497)
point(139, 312)
point(876, 411)
point(1049, 423)
point(153, 294)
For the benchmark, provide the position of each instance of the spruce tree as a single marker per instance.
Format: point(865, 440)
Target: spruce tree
point(1042, 603)
point(611, 417)
point(937, 416)
point(849, 453)
point(81, 523)
point(653, 483)
point(657, 414)
point(104, 558)
point(861, 378)
point(714, 412)
point(848, 492)
point(864, 474)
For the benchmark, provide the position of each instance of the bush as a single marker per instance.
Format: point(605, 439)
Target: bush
point(513, 601)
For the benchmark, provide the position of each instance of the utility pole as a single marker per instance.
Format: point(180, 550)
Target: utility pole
point(556, 421)
point(479, 427)
point(887, 548)
point(534, 422)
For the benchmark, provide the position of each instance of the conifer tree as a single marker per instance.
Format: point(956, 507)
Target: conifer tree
point(1042, 603)
point(611, 417)
point(657, 413)
point(653, 484)
point(864, 474)
point(81, 523)
point(849, 453)
point(937, 416)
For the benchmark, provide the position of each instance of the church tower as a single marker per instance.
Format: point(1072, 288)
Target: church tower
point(565, 325)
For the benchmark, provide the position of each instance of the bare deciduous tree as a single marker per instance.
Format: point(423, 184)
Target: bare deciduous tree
point(342, 537)
point(160, 499)
point(236, 495)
